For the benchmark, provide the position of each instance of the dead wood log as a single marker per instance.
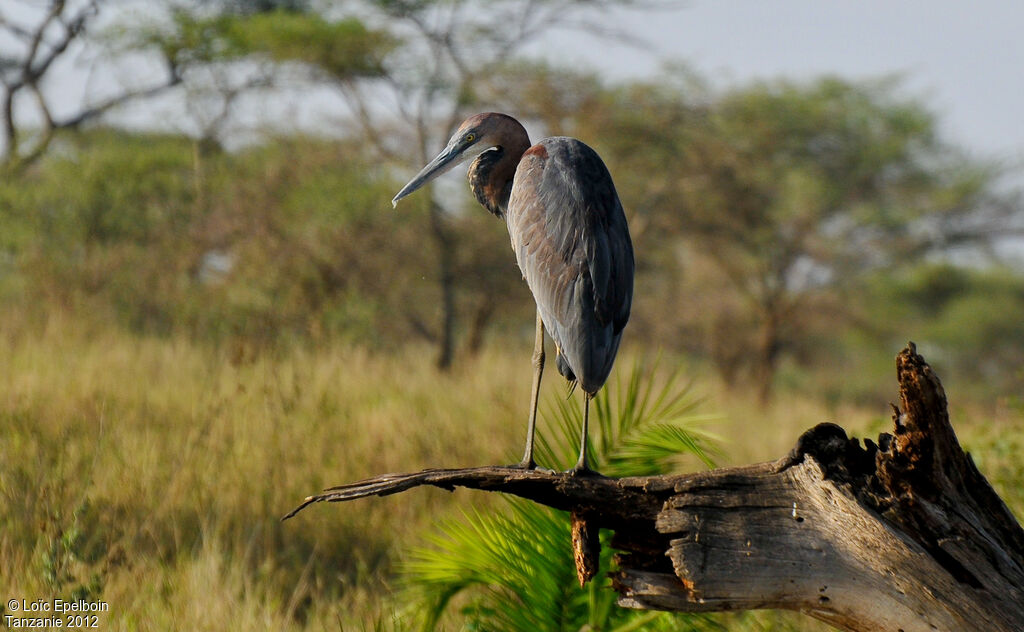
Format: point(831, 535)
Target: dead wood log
point(904, 534)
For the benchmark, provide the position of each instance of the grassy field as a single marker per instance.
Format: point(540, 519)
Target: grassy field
point(152, 473)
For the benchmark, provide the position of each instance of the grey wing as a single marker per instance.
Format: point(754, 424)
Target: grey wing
point(572, 243)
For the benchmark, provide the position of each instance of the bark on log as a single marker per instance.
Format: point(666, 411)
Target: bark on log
point(904, 534)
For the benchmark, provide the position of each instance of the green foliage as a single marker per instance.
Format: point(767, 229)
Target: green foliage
point(286, 241)
point(639, 427)
point(507, 556)
point(61, 562)
point(345, 49)
point(996, 448)
point(970, 320)
point(514, 569)
point(248, 7)
point(291, 241)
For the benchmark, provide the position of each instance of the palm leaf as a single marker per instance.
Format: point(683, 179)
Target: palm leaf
point(640, 426)
point(516, 558)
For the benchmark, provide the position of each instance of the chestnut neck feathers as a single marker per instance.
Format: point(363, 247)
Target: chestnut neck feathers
point(491, 173)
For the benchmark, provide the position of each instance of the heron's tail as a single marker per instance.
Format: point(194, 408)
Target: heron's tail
point(564, 368)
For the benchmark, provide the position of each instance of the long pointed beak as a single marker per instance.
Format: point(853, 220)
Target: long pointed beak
point(444, 161)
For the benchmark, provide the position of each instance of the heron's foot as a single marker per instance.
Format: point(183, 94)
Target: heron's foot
point(582, 470)
point(530, 465)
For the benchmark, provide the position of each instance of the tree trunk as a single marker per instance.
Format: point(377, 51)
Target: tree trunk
point(767, 354)
point(478, 325)
point(905, 534)
point(445, 241)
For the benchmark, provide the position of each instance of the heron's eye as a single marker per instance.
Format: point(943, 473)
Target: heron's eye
point(470, 137)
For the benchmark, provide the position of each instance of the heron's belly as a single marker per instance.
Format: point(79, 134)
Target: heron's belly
point(586, 346)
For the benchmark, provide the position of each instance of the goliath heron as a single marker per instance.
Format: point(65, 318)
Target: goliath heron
point(570, 239)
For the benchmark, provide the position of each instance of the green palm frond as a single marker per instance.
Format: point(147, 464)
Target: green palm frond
point(514, 569)
point(640, 426)
point(518, 559)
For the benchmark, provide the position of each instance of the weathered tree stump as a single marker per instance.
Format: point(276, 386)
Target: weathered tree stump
point(904, 534)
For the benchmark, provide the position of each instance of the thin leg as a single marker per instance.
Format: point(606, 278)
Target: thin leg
point(538, 370)
point(581, 465)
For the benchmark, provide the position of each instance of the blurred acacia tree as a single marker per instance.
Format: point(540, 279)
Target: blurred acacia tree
point(802, 189)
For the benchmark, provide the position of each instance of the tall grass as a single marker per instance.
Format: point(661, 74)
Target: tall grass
point(152, 472)
point(127, 462)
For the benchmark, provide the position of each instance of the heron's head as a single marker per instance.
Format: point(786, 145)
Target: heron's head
point(476, 135)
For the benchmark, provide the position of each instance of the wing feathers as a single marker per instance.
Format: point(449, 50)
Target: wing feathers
point(572, 244)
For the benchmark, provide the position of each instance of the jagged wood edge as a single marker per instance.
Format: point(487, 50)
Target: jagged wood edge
point(567, 491)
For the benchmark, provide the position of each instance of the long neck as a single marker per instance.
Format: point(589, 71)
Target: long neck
point(491, 174)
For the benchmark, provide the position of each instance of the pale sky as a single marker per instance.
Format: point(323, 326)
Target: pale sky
point(964, 59)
